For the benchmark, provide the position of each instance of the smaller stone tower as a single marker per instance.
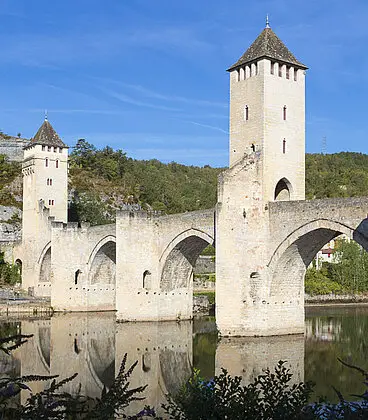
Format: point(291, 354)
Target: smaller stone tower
point(45, 174)
point(45, 195)
point(267, 107)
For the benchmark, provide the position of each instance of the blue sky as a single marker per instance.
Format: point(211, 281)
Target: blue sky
point(148, 76)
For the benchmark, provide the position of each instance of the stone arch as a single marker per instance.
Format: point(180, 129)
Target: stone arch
point(45, 264)
point(289, 262)
point(179, 258)
point(283, 190)
point(102, 262)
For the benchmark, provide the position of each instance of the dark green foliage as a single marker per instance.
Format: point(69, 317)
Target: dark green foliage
point(317, 282)
point(269, 396)
point(9, 273)
point(336, 175)
point(88, 207)
point(351, 268)
point(115, 179)
point(8, 172)
point(347, 274)
point(209, 250)
point(210, 295)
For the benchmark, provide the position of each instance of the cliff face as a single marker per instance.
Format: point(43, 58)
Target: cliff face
point(10, 224)
point(12, 147)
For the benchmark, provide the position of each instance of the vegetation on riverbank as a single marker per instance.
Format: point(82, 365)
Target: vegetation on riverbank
point(347, 274)
point(9, 273)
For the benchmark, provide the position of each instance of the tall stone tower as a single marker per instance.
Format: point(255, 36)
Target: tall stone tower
point(267, 136)
point(45, 198)
point(267, 108)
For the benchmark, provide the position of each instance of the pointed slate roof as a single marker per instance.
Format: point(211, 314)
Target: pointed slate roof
point(46, 135)
point(268, 45)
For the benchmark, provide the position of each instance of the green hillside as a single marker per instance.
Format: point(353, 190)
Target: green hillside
point(103, 180)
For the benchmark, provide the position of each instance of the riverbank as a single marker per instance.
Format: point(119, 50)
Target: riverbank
point(333, 299)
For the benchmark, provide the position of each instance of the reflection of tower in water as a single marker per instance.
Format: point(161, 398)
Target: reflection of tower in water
point(249, 356)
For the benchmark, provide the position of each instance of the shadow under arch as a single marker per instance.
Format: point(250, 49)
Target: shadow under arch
point(102, 261)
point(283, 190)
point(289, 262)
point(180, 256)
point(45, 264)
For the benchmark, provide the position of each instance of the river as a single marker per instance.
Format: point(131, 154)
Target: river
point(94, 344)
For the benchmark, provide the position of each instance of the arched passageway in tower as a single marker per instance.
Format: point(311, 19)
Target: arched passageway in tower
point(45, 270)
point(177, 270)
point(283, 190)
point(288, 266)
point(103, 264)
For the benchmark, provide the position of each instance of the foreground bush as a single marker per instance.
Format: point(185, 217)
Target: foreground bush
point(269, 396)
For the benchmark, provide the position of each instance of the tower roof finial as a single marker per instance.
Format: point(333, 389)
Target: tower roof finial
point(267, 22)
point(46, 115)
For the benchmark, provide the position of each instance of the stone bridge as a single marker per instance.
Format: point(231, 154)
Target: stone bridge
point(142, 266)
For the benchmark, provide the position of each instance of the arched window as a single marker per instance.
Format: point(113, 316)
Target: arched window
point(50, 181)
point(76, 276)
point(284, 146)
point(57, 163)
point(288, 72)
point(295, 74)
point(284, 113)
point(147, 279)
point(46, 162)
point(246, 113)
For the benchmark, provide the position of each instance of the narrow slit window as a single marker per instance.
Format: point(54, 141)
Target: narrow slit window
point(284, 113)
point(280, 70)
point(50, 181)
point(43, 148)
point(272, 67)
point(57, 163)
point(287, 72)
point(295, 74)
point(284, 146)
point(246, 113)
point(46, 162)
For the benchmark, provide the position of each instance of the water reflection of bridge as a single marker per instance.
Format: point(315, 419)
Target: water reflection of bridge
point(93, 345)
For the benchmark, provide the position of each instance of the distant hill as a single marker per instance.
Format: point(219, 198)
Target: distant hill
point(342, 174)
point(102, 181)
